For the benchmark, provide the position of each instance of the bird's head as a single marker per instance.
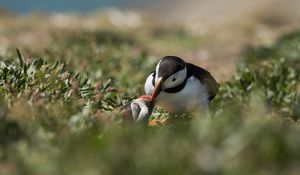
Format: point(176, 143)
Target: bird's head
point(169, 73)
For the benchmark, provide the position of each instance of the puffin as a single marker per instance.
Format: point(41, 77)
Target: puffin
point(180, 87)
point(138, 110)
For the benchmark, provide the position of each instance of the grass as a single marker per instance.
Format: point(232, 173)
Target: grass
point(287, 46)
point(59, 111)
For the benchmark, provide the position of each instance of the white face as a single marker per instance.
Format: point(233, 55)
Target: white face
point(172, 81)
point(175, 79)
point(156, 71)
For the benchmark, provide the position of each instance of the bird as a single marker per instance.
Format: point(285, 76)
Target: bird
point(180, 87)
point(138, 110)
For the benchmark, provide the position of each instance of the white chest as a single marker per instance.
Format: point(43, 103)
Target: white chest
point(192, 97)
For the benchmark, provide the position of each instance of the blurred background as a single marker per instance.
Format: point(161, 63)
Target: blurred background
point(223, 27)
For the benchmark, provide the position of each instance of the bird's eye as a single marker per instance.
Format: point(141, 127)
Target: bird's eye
point(174, 79)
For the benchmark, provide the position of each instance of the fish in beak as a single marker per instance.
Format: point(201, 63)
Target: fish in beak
point(138, 110)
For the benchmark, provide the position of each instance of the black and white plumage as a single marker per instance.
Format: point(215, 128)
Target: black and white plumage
point(138, 110)
point(180, 87)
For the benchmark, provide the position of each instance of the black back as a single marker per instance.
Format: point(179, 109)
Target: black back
point(205, 78)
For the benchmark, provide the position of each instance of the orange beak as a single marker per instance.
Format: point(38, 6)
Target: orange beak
point(146, 97)
point(157, 89)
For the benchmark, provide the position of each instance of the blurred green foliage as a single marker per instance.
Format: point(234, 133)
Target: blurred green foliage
point(59, 113)
point(287, 46)
point(274, 82)
point(169, 37)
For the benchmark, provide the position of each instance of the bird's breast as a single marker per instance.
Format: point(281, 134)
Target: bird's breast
point(192, 97)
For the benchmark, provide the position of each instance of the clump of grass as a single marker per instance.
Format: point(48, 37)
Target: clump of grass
point(275, 81)
point(38, 94)
point(104, 55)
point(287, 46)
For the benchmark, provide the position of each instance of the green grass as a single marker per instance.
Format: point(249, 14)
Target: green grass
point(287, 46)
point(59, 112)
